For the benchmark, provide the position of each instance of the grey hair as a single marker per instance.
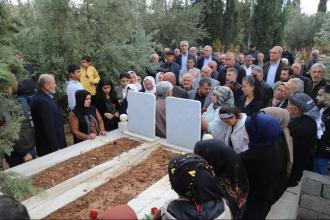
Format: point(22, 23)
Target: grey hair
point(207, 46)
point(43, 79)
point(279, 49)
point(184, 41)
point(299, 84)
point(188, 74)
point(277, 84)
point(258, 69)
point(319, 65)
point(163, 87)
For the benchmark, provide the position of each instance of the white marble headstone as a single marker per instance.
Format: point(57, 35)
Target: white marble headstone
point(183, 122)
point(141, 113)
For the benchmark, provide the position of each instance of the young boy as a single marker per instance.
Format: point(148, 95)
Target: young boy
point(124, 81)
point(89, 76)
point(73, 84)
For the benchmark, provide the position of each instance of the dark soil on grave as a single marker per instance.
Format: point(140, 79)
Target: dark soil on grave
point(119, 190)
point(76, 165)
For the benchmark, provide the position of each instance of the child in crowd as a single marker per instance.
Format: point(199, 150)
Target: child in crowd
point(73, 84)
point(89, 76)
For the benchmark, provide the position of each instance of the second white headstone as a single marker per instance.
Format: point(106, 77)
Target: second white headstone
point(183, 122)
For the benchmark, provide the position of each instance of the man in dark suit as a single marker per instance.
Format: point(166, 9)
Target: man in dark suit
point(273, 68)
point(171, 65)
point(230, 62)
point(49, 131)
point(207, 57)
point(266, 90)
point(182, 59)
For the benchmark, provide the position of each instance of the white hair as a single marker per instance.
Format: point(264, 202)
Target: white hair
point(299, 84)
point(163, 87)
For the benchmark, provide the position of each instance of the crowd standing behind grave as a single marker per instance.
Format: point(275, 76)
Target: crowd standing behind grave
point(274, 144)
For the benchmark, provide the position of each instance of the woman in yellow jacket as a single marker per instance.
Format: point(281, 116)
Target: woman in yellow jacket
point(89, 76)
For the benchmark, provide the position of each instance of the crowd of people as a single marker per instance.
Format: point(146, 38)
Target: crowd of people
point(269, 119)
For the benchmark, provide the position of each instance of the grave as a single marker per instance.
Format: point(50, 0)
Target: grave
point(141, 116)
point(183, 123)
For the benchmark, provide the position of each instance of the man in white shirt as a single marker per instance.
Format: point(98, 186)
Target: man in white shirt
point(248, 66)
point(73, 84)
point(273, 68)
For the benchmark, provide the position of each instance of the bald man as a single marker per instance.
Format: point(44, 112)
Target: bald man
point(177, 91)
point(47, 120)
point(206, 73)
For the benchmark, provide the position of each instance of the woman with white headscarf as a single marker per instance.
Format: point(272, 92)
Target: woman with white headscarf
point(149, 85)
point(134, 80)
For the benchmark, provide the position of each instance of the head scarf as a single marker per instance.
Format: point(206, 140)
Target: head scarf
point(191, 177)
point(262, 130)
point(79, 108)
point(230, 172)
point(308, 107)
point(150, 78)
point(224, 96)
point(284, 117)
point(129, 87)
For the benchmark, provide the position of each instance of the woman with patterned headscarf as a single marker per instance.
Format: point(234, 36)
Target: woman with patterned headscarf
point(200, 195)
point(220, 96)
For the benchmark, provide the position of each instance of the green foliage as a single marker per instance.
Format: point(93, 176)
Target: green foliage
point(322, 38)
point(267, 24)
point(168, 26)
point(17, 186)
point(230, 24)
point(322, 7)
point(300, 29)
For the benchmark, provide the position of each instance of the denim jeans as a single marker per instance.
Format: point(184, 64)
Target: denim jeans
point(321, 166)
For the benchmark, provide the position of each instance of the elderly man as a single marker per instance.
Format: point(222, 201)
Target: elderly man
point(230, 62)
point(193, 51)
point(294, 85)
point(177, 52)
point(205, 73)
point(240, 59)
point(202, 93)
point(163, 90)
point(317, 81)
point(261, 58)
point(207, 57)
point(182, 59)
point(280, 98)
point(214, 66)
point(313, 58)
point(296, 73)
point(231, 82)
point(190, 66)
point(266, 90)
point(49, 131)
point(273, 68)
point(187, 82)
point(304, 132)
point(177, 91)
point(170, 65)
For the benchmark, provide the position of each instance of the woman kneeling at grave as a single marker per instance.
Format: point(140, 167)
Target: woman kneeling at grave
point(85, 121)
point(200, 196)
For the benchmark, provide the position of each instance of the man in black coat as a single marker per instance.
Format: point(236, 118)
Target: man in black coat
point(288, 55)
point(303, 130)
point(170, 65)
point(49, 131)
point(317, 81)
point(230, 62)
point(207, 57)
point(266, 90)
point(182, 59)
point(273, 68)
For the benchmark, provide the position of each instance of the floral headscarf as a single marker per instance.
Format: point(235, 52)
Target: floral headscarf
point(224, 96)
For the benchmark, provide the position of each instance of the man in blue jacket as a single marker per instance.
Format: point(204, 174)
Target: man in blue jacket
point(49, 131)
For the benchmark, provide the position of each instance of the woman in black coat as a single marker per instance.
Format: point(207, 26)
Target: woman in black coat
point(107, 103)
point(251, 101)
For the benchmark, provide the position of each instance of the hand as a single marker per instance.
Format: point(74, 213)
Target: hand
point(108, 115)
point(117, 114)
point(103, 133)
point(27, 157)
point(92, 136)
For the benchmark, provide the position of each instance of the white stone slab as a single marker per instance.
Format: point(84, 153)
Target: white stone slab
point(183, 122)
point(154, 196)
point(76, 187)
point(141, 114)
point(42, 163)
